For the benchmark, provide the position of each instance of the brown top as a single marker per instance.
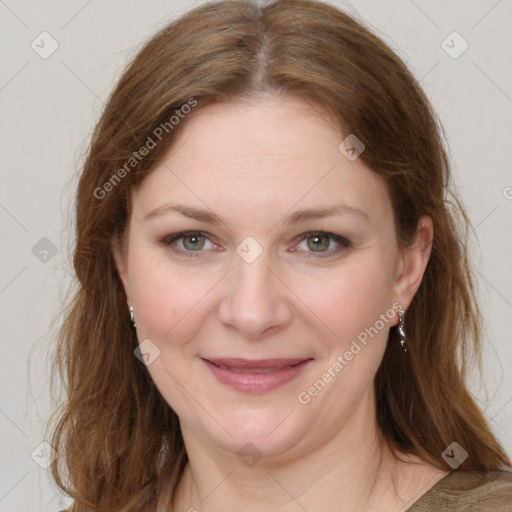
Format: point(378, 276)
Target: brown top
point(468, 491)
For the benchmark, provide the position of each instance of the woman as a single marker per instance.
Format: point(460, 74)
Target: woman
point(274, 297)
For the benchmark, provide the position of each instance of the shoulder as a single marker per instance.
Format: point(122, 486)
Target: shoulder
point(469, 491)
point(491, 490)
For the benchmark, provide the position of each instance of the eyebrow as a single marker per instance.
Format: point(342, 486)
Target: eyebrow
point(294, 218)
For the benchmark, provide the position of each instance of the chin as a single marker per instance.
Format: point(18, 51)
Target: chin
point(264, 432)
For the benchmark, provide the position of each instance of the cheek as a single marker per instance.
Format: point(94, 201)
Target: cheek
point(356, 304)
point(169, 310)
point(158, 299)
point(349, 299)
point(163, 293)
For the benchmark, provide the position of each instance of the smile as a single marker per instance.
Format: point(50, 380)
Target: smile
point(256, 376)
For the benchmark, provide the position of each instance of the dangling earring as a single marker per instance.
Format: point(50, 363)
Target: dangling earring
point(132, 316)
point(401, 329)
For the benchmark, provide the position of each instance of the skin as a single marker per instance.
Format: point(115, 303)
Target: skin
point(254, 164)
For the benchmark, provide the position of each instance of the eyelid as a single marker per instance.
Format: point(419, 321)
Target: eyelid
point(168, 240)
point(342, 241)
point(182, 234)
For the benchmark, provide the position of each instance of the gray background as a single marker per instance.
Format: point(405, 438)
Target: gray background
point(49, 107)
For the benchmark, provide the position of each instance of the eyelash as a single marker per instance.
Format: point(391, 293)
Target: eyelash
point(344, 243)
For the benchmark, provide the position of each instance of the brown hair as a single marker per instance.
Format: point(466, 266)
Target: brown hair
point(119, 443)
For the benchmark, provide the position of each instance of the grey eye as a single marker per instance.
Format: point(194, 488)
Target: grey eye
point(193, 242)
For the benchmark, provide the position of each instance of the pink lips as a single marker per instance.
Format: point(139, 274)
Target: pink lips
point(256, 376)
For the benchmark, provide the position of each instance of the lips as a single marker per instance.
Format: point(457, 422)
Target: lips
point(255, 366)
point(256, 376)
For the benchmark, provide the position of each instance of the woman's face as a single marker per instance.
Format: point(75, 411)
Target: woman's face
point(290, 279)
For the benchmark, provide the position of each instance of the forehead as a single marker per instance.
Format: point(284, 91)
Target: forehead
point(275, 153)
point(256, 130)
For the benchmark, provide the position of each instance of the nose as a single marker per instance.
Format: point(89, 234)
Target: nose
point(255, 302)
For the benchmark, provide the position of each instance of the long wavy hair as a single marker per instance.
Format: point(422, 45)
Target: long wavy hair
point(119, 443)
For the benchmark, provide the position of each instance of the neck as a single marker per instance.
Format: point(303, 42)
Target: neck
point(352, 470)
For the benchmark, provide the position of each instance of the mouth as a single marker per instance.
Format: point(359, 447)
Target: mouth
point(256, 376)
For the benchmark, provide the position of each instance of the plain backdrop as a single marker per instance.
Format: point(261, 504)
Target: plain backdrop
point(49, 107)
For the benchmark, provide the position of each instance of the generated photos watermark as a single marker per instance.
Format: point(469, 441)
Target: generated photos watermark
point(151, 142)
point(342, 360)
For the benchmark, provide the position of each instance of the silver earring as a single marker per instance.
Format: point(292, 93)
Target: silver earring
point(132, 316)
point(401, 329)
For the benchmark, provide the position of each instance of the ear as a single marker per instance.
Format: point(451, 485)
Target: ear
point(413, 262)
point(120, 261)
